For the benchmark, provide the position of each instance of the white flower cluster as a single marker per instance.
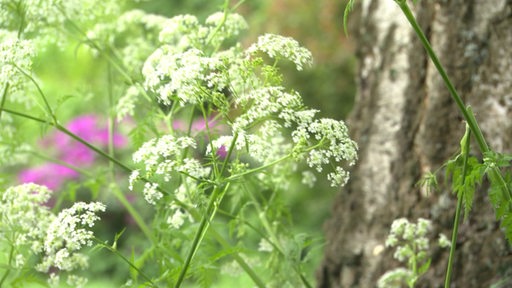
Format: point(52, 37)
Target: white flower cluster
point(15, 54)
point(409, 238)
point(264, 146)
point(183, 76)
point(161, 157)
point(190, 68)
point(412, 245)
point(126, 104)
point(185, 31)
point(264, 103)
point(21, 211)
point(68, 233)
point(32, 229)
point(230, 26)
point(37, 13)
point(132, 35)
point(188, 194)
point(277, 46)
point(333, 145)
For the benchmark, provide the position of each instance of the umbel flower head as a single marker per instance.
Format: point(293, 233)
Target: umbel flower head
point(266, 124)
point(29, 228)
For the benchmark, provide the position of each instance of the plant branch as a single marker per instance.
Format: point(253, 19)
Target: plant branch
point(207, 217)
point(494, 174)
point(458, 209)
point(4, 97)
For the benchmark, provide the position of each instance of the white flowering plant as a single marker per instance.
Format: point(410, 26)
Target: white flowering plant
point(216, 139)
point(412, 248)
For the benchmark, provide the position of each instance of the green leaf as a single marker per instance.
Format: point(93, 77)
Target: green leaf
point(429, 182)
point(424, 267)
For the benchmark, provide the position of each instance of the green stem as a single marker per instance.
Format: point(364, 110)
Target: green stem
point(255, 278)
point(494, 174)
point(451, 88)
point(206, 220)
point(49, 109)
point(116, 252)
point(4, 97)
point(273, 237)
point(456, 221)
point(8, 270)
point(263, 167)
point(110, 119)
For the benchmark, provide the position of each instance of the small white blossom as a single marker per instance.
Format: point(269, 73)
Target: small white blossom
point(266, 102)
point(34, 230)
point(151, 194)
point(230, 26)
point(177, 218)
point(443, 241)
point(308, 178)
point(134, 176)
point(265, 246)
point(394, 278)
point(67, 234)
point(338, 178)
point(54, 280)
point(76, 281)
point(126, 104)
point(16, 55)
point(183, 76)
point(277, 46)
point(152, 153)
point(331, 144)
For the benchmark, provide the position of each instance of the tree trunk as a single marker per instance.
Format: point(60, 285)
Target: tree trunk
point(407, 124)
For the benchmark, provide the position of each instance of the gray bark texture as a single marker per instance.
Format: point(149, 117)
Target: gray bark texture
point(406, 124)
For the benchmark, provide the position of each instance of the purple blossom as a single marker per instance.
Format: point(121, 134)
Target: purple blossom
point(88, 127)
point(50, 175)
point(198, 125)
point(222, 152)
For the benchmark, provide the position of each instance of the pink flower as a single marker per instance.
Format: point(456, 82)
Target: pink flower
point(91, 129)
point(68, 150)
point(222, 152)
point(198, 125)
point(50, 175)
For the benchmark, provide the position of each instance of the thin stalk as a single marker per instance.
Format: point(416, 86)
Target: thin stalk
point(210, 212)
point(263, 167)
point(49, 109)
point(451, 88)
point(456, 221)
point(223, 21)
point(255, 278)
point(116, 252)
point(4, 97)
point(273, 237)
point(110, 119)
point(494, 174)
point(210, 136)
point(8, 270)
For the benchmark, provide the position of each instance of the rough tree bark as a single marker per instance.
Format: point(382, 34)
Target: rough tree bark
point(406, 124)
